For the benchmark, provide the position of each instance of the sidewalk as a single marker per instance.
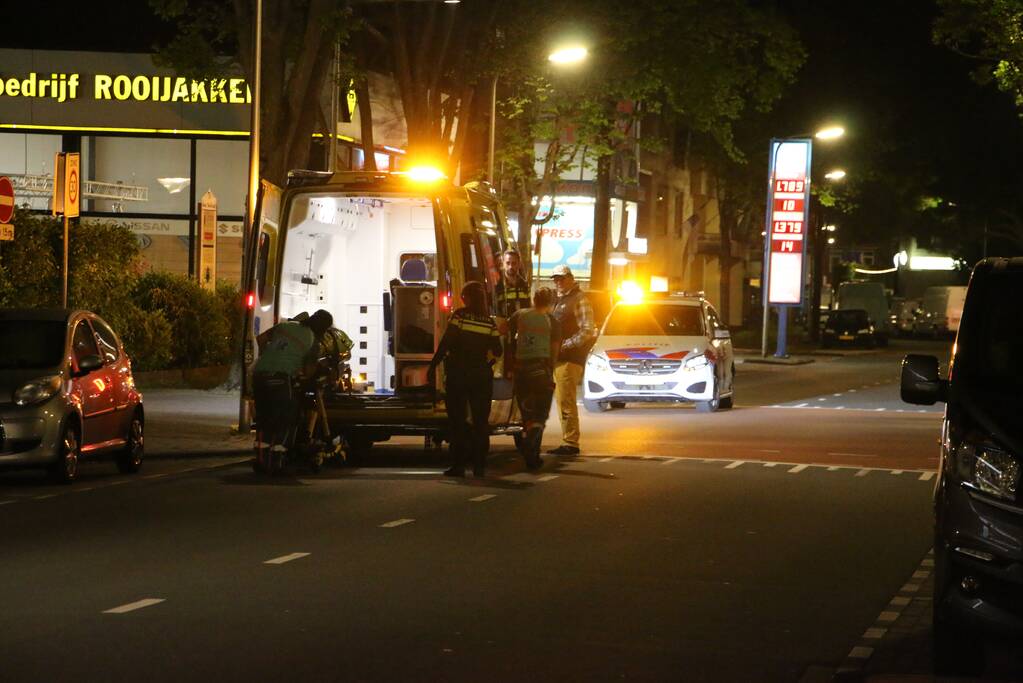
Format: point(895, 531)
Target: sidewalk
point(183, 423)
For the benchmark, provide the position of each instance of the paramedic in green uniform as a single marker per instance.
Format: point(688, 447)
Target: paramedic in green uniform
point(535, 340)
point(467, 349)
point(286, 350)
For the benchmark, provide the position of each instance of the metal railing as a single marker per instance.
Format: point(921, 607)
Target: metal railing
point(42, 186)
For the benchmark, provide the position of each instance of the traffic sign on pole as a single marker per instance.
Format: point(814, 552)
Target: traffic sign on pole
point(6, 199)
point(72, 184)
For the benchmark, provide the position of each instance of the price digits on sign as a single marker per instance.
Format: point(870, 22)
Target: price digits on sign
point(790, 186)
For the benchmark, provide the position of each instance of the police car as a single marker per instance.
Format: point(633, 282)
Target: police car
point(668, 349)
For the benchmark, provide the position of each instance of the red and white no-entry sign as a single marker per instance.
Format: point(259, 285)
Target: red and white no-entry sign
point(6, 199)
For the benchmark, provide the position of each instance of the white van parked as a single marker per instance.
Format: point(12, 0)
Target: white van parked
point(940, 312)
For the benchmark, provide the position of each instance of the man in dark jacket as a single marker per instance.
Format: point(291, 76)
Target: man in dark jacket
point(575, 318)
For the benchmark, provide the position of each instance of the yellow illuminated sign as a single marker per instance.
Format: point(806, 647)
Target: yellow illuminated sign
point(126, 87)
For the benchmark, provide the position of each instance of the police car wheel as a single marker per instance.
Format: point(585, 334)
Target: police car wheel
point(596, 406)
point(708, 406)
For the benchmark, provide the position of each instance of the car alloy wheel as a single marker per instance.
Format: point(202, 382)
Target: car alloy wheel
point(65, 469)
point(130, 459)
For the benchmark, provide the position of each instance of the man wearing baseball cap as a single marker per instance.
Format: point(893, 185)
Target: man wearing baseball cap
point(574, 315)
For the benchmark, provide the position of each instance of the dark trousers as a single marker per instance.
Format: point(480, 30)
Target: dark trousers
point(469, 391)
point(276, 408)
point(534, 389)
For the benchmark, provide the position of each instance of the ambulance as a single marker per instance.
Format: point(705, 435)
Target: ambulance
point(387, 255)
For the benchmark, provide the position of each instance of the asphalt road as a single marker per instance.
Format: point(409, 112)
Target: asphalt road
point(757, 544)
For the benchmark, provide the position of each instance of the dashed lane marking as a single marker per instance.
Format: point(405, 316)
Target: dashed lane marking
point(862, 473)
point(854, 455)
point(45, 496)
point(861, 652)
point(286, 558)
point(926, 476)
point(397, 522)
point(607, 459)
point(7, 502)
point(548, 477)
point(132, 606)
point(921, 574)
point(833, 468)
point(770, 464)
point(735, 464)
point(910, 588)
point(484, 497)
point(875, 633)
point(887, 616)
point(800, 405)
point(899, 601)
point(83, 489)
point(896, 472)
point(670, 461)
point(927, 563)
point(797, 469)
point(767, 450)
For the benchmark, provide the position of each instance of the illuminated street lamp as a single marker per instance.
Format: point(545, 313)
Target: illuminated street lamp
point(830, 133)
point(569, 54)
point(837, 174)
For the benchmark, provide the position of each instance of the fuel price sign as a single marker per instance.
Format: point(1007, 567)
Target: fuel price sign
point(788, 202)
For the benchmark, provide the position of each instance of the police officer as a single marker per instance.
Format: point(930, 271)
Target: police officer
point(469, 343)
point(513, 290)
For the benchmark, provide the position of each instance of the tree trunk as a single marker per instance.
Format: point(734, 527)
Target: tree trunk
point(366, 123)
point(601, 224)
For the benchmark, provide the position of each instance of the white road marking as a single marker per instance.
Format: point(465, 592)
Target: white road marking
point(822, 399)
point(154, 476)
point(863, 473)
point(861, 652)
point(875, 633)
point(896, 472)
point(768, 450)
point(480, 499)
point(670, 461)
point(608, 459)
point(83, 489)
point(839, 407)
point(855, 455)
point(770, 464)
point(800, 405)
point(852, 391)
point(548, 477)
point(926, 476)
point(397, 522)
point(735, 464)
point(833, 468)
point(910, 588)
point(880, 410)
point(45, 496)
point(286, 558)
point(797, 469)
point(132, 606)
point(887, 616)
point(921, 574)
point(836, 395)
point(899, 602)
point(927, 563)
point(7, 502)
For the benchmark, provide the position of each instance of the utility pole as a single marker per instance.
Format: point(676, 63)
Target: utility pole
point(601, 224)
point(817, 283)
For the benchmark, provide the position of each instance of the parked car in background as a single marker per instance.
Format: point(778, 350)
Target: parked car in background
point(850, 327)
point(663, 349)
point(940, 311)
point(902, 315)
point(870, 297)
point(66, 392)
point(978, 500)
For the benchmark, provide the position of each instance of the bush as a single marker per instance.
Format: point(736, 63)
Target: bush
point(165, 320)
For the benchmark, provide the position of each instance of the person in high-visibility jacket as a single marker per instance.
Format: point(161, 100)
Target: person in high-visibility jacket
point(468, 349)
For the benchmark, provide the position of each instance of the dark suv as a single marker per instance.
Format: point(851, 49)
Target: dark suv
point(978, 501)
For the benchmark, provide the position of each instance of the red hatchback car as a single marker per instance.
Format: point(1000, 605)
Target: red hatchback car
point(66, 392)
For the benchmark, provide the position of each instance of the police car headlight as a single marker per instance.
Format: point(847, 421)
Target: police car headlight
point(599, 363)
point(696, 362)
point(988, 469)
point(37, 391)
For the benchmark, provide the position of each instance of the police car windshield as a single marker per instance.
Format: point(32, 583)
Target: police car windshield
point(658, 320)
point(31, 344)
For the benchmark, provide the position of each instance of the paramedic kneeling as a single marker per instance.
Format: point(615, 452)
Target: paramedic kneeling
point(535, 341)
point(469, 343)
point(286, 350)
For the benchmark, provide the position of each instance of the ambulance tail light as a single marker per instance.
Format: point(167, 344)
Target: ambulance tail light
point(250, 301)
point(445, 301)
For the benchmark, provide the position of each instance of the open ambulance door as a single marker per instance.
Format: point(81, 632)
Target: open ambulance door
point(262, 270)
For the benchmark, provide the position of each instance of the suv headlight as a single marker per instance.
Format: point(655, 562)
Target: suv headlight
point(696, 362)
point(37, 391)
point(988, 469)
point(596, 362)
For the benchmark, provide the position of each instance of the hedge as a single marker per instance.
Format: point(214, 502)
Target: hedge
point(165, 320)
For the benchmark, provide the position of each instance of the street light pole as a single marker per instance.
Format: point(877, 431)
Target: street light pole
point(493, 129)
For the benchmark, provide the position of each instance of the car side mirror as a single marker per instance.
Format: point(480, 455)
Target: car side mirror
point(722, 334)
point(88, 364)
point(920, 383)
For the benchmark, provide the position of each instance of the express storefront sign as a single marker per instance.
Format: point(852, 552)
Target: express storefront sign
point(63, 87)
